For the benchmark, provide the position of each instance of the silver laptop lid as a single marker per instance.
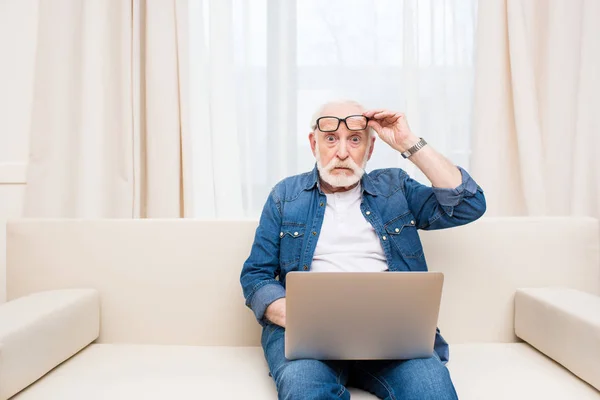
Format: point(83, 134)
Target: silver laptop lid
point(361, 315)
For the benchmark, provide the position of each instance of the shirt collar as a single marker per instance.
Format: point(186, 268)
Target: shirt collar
point(312, 180)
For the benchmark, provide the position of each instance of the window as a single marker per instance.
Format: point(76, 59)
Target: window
point(260, 68)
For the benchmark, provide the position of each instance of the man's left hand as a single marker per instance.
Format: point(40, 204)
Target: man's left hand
point(392, 128)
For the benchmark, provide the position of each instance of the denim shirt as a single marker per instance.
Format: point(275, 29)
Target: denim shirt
point(395, 205)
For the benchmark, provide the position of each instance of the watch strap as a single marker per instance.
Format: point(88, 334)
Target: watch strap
point(418, 146)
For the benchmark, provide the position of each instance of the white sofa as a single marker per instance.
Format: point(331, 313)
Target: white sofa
point(153, 309)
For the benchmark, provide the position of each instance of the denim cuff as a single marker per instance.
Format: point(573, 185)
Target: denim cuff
point(453, 197)
point(264, 296)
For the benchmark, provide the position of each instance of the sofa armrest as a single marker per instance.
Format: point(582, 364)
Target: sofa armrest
point(564, 324)
point(39, 331)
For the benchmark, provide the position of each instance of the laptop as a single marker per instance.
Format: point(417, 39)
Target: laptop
point(361, 315)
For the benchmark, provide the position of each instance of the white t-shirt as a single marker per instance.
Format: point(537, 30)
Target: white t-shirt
point(347, 241)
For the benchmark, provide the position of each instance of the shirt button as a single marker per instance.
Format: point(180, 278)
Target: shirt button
point(397, 230)
point(305, 268)
point(368, 213)
point(321, 204)
point(384, 237)
point(412, 222)
point(314, 233)
point(280, 234)
point(295, 233)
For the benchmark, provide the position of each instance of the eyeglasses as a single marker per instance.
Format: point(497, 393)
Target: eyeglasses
point(353, 123)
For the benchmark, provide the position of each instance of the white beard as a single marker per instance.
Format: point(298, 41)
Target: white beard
point(341, 180)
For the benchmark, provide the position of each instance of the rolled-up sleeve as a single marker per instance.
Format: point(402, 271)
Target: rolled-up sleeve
point(264, 296)
point(439, 208)
point(453, 197)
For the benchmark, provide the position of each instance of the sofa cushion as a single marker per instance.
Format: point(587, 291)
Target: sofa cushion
point(128, 260)
point(512, 371)
point(110, 371)
point(39, 331)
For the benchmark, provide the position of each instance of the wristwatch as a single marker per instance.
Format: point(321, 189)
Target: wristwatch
point(420, 144)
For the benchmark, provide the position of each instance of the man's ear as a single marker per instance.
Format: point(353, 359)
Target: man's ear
point(371, 147)
point(312, 138)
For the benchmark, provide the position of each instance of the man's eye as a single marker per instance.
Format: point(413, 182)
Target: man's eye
point(355, 139)
point(330, 138)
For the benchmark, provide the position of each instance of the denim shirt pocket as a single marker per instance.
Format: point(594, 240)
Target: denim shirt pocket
point(402, 232)
point(291, 239)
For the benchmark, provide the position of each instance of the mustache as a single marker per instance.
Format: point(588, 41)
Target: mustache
point(350, 164)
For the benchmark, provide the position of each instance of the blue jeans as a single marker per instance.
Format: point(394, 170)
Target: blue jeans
point(420, 379)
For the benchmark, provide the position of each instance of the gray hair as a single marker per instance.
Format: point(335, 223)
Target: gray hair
point(319, 112)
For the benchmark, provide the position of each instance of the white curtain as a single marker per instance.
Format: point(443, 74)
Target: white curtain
point(108, 119)
point(260, 68)
point(537, 97)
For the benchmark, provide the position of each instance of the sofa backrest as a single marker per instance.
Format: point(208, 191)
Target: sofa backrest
point(177, 281)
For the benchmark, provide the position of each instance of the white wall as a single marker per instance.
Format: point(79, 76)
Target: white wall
point(18, 31)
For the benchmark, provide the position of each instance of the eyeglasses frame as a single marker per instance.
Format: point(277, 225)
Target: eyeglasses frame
point(340, 120)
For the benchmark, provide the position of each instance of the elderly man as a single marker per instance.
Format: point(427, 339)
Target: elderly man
point(337, 218)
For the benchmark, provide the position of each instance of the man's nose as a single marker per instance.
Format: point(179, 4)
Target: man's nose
point(342, 152)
